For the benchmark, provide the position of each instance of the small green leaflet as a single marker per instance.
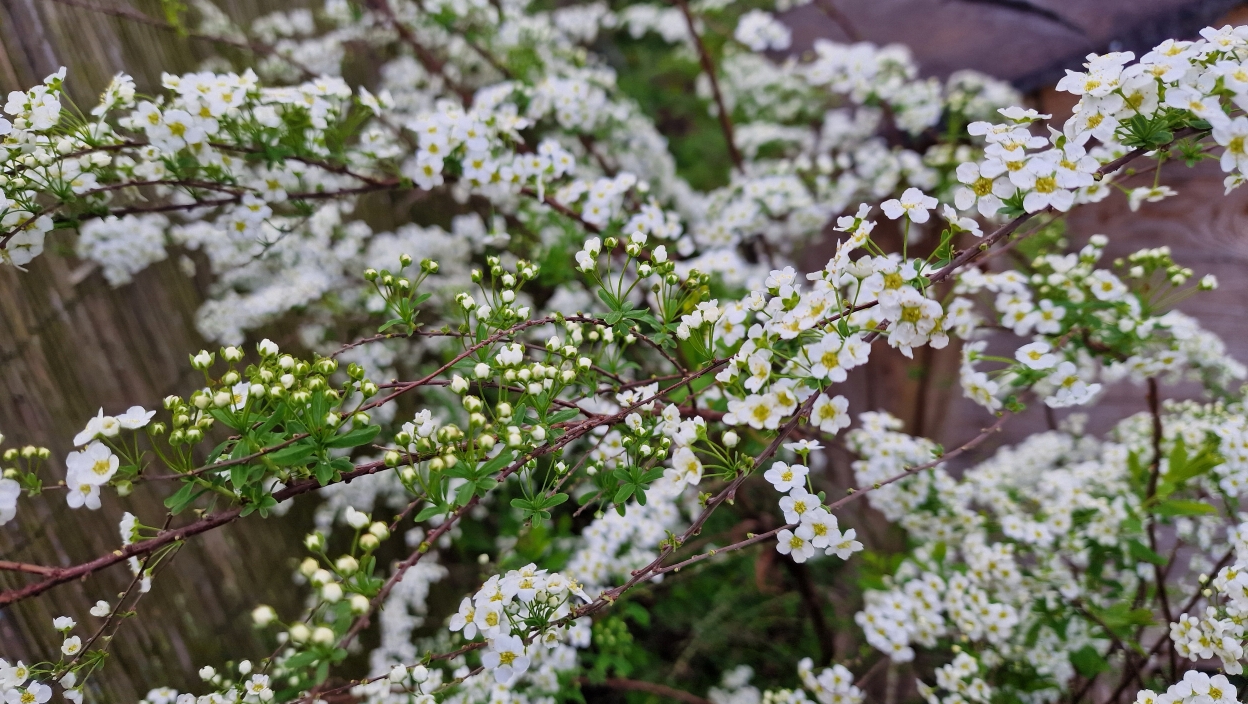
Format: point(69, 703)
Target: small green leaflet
point(355, 438)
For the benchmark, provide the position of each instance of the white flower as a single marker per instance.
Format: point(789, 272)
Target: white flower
point(685, 467)
point(785, 477)
point(9, 491)
point(758, 410)
point(830, 414)
point(506, 657)
point(1071, 389)
point(1037, 355)
point(797, 503)
point(82, 493)
point(71, 646)
point(356, 519)
point(1105, 286)
point(822, 525)
point(35, 693)
point(463, 619)
point(267, 348)
point(63, 623)
point(1232, 136)
point(981, 191)
point(844, 544)
point(135, 417)
point(795, 544)
point(94, 465)
point(100, 425)
point(913, 204)
point(1151, 194)
point(101, 609)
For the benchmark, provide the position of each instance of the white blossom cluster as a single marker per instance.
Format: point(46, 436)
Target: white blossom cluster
point(603, 332)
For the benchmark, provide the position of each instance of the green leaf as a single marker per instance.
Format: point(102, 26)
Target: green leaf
point(430, 511)
point(354, 438)
point(183, 498)
point(609, 298)
point(324, 473)
point(563, 416)
point(503, 459)
point(1183, 507)
point(1141, 552)
point(300, 660)
point(1088, 662)
point(464, 494)
point(390, 323)
point(294, 455)
point(624, 492)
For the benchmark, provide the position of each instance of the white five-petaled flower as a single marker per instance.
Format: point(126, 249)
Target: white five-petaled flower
point(506, 657)
point(100, 425)
point(71, 646)
point(1037, 355)
point(785, 477)
point(913, 203)
point(844, 544)
point(94, 465)
point(830, 414)
point(795, 544)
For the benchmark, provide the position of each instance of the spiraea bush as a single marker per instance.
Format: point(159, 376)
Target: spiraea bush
point(580, 347)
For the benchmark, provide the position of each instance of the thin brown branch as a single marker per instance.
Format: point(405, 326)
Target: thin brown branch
point(10, 566)
point(708, 66)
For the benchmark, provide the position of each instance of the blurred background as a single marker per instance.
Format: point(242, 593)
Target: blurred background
point(70, 344)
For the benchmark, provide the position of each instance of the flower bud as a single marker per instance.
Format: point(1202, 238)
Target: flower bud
point(322, 636)
point(332, 592)
point(369, 543)
point(731, 439)
point(263, 615)
point(299, 633)
point(202, 361)
point(347, 565)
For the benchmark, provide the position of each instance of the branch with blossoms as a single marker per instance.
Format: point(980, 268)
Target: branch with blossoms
point(591, 330)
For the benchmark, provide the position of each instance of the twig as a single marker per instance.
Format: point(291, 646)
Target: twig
point(708, 66)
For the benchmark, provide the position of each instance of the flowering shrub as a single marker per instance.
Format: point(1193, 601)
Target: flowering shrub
point(589, 360)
